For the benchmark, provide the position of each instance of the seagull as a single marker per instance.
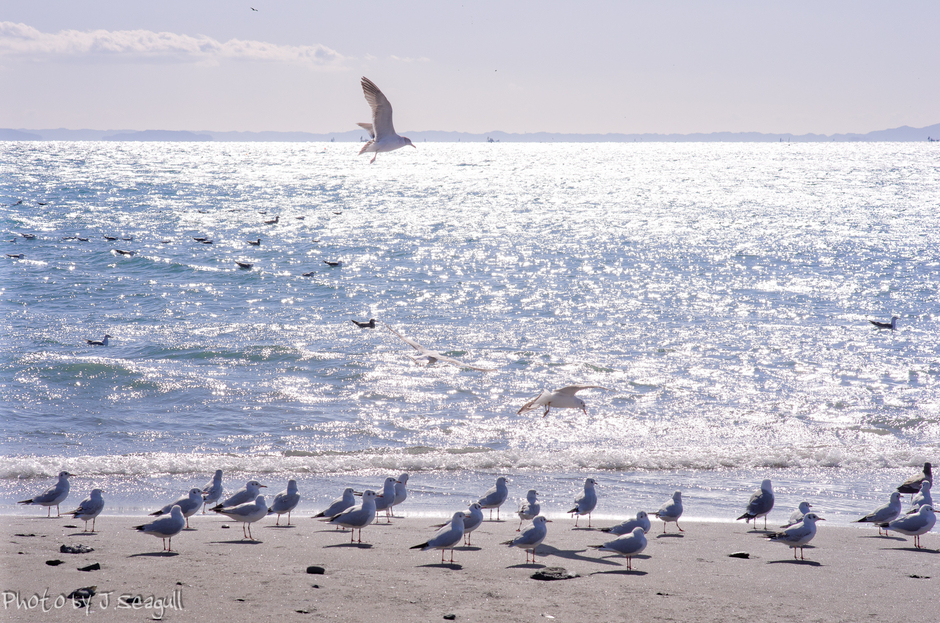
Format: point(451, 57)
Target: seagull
point(914, 525)
point(472, 520)
point(106, 237)
point(357, 517)
point(127, 253)
point(188, 505)
point(531, 538)
point(29, 236)
point(432, 356)
point(212, 492)
point(447, 537)
point(273, 221)
point(912, 484)
point(364, 325)
point(628, 545)
point(386, 500)
point(52, 497)
point(256, 243)
point(348, 500)
point(200, 238)
point(247, 513)
point(563, 398)
point(671, 511)
point(885, 513)
point(89, 509)
point(165, 527)
point(760, 504)
point(401, 491)
point(642, 521)
point(285, 502)
point(16, 256)
point(384, 137)
point(584, 505)
point(333, 264)
point(529, 509)
point(886, 325)
point(244, 265)
point(921, 499)
point(246, 494)
point(103, 342)
point(797, 515)
point(798, 535)
point(495, 497)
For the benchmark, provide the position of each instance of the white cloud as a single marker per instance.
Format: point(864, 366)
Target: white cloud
point(144, 45)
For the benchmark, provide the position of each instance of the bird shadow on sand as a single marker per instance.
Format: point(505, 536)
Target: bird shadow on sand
point(547, 550)
point(453, 566)
point(155, 555)
point(923, 550)
point(528, 565)
point(356, 545)
point(84, 533)
point(621, 572)
point(889, 538)
point(670, 535)
point(238, 542)
point(280, 527)
point(793, 561)
point(468, 548)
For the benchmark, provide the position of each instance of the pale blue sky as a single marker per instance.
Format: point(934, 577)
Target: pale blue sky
point(591, 67)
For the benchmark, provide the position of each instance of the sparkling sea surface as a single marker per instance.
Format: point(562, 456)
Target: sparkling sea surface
point(721, 292)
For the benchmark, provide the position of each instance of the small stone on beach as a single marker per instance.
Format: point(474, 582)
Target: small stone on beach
point(739, 555)
point(75, 549)
point(316, 570)
point(93, 567)
point(553, 573)
point(53, 563)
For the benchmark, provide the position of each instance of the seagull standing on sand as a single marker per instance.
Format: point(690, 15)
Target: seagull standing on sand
point(401, 491)
point(386, 500)
point(473, 517)
point(798, 535)
point(357, 517)
point(531, 538)
point(760, 504)
point(212, 492)
point(246, 494)
point(432, 356)
point(628, 545)
point(247, 513)
point(885, 513)
point(165, 528)
point(563, 398)
point(914, 525)
point(529, 509)
point(446, 537)
point(797, 515)
point(384, 137)
point(89, 508)
point(52, 497)
point(585, 504)
point(188, 505)
point(921, 499)
point(912, 484)
point(642, 521)
point(337, 506)
point(285, 501)
point(671, 511)
point(495, 497)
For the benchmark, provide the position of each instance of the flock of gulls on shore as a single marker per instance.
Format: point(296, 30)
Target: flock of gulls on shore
point(248, 505)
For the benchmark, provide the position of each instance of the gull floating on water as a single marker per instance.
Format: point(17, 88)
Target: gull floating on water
point(432, 356)
point(103, 342)
point(52, 497)
point(797, 515)
point(884, 513)
point(357, 517)
point(585, 503)
point(212, 491)
point(285, 501)
point(447, 537)
point(563, 398)
point(626, 527)
point(914, 525)
point(88, 509)
point(760, 504)
point(382, 131)
point(531, 538)
point(247, 513)
point(364, 325)
point(912, 484)
point(495, 497)
point(886, 325)
point(246, 494)
point(671, 511)
point(628, 545)
point(165, 528)
point(529, 509)
point(799, 534)
point(188, 505)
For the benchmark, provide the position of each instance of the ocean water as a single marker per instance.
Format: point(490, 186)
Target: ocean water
point(720, 292)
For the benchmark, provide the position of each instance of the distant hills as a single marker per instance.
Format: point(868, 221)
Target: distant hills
point(904, 133)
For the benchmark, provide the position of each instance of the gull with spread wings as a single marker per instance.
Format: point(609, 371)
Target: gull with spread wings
point(432, 356)
point(384, 137)
point(563, 398)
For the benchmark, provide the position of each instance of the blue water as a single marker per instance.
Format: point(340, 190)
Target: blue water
point(721, 292)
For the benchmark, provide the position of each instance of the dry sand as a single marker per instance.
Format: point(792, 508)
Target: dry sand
point(850, 574)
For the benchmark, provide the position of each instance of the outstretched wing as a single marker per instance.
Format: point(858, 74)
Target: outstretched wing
point(381, 109)
point(408, 341)
point(538, 401)
point(368, 128)
point(461, 364)
point(571, 390)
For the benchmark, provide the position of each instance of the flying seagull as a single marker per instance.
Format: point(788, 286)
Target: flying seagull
point(384, 137)
point(563, 398)
point(432, 356)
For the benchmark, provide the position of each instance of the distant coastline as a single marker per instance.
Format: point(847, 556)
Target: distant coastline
point(903, 133)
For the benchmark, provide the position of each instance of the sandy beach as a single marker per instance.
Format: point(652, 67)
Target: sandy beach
point(851, 574)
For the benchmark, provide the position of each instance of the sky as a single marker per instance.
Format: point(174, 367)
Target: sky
point(590, 67)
